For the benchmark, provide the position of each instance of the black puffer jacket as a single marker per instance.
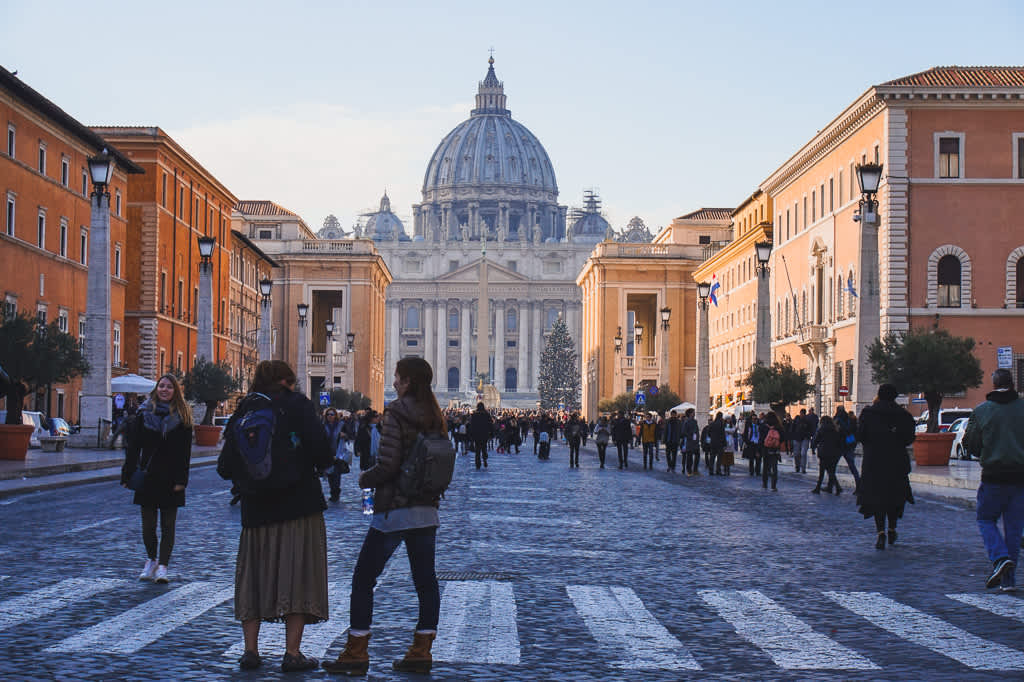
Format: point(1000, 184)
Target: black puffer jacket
point(167, 458)
point(403, 421)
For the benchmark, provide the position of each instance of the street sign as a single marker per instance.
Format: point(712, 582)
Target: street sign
point(653, 390)
point(1004, 357)
point(325, 399)
point(844, 391)
point(641, 399)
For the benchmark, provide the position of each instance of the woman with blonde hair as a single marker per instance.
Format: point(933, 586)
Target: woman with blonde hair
point(160, 443)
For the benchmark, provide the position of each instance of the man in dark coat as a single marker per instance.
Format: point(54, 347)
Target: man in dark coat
point(885, 429)
point(622, 434)
point(479, 432)
point(691, 444)
point(673, 436)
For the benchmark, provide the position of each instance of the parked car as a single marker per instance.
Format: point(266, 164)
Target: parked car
point(33, 419)
point(59, 427)
point(946, 418)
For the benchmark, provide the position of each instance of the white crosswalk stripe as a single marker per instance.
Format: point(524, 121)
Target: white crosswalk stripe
point(316, 639)
point(999, 604)
point(73, 531)
point(930, 632)
point(478, 623)
point(41, 602)
point(618, 620)
point(147, 622)
point(562, 551)
point(790, 642)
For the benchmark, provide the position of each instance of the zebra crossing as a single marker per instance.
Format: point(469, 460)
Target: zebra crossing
point(480, 624)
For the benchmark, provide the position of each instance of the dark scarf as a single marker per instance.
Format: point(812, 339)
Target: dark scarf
point(157, 416)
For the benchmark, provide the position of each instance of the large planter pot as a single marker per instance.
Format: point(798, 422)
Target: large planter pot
point(207, 435)
point(932, 449)
point(14, 440)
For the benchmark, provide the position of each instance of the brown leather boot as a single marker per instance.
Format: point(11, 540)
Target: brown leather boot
point(353, 660)
point(417, 658)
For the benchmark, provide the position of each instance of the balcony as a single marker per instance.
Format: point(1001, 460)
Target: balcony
point(649, 367)
point(813, 337)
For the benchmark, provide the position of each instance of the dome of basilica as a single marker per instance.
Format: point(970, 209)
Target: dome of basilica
point(384, 225)
point(490, 148)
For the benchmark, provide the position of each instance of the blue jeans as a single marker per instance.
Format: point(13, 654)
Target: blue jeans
point(1007, 501)
point(377, 549)
point(850, 458)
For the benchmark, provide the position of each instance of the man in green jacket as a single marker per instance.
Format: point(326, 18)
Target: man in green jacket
point(995, 432)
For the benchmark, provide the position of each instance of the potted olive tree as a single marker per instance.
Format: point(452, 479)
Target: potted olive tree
point(209, 383)
point(779, 385)
point(934, 363)
point(34, 356)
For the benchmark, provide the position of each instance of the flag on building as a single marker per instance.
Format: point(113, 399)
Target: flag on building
point(849, 286)
point(714, 289)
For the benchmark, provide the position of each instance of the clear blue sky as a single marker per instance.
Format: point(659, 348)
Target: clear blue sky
point(663, 107)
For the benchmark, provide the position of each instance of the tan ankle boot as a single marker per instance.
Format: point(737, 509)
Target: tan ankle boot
point(417, 658)
point(353, 660)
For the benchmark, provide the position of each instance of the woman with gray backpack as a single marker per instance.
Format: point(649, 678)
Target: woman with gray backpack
point(400, 514)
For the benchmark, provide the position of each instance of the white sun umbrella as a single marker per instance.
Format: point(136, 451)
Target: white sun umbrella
point(131, 383)
point(681, 408)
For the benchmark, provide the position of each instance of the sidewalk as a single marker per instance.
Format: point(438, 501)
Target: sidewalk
point(48, 470)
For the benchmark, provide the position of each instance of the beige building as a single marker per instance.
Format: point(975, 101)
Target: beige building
point(342, 280)
point(629, 283)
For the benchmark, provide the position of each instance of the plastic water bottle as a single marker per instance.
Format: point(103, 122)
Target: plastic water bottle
point(368, 501)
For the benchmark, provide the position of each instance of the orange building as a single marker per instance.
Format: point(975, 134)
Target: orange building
point(249, 265)
point(949, 247)
point(628, 283)
point(169, 207)
point(732, 323)
point(45, 237)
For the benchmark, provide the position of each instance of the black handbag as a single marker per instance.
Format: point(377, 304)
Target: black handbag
point(137, 481)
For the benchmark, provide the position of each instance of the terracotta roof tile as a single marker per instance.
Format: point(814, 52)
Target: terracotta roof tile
point(262, 208)
point(708, 214)
point(963, 77)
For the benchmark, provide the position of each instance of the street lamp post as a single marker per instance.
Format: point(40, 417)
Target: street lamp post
point(666, 315)
point(638, 335)
point(762, 341)
point(266, 340)
point(95, 403)
point(350, 347)
point(204, 326)
point(703, 397)
point(300, 366)
point(869, 319)
point(329, 378)
point(618, 362)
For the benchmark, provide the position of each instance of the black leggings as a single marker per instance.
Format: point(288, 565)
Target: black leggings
point(168, 517)
point(893, 515)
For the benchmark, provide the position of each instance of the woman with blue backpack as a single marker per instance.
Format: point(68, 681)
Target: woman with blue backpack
point(274, 450)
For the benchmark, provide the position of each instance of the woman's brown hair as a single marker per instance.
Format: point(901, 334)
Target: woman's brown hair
point(269, 374)
point(177, 401)
point(418, 373)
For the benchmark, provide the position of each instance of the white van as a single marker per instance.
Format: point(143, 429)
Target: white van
point(946, 417)
point(33, 419)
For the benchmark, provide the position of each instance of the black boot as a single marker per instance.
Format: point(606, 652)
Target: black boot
point(880, 542)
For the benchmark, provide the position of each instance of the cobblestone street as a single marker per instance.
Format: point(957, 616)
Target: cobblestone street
point(547, 573)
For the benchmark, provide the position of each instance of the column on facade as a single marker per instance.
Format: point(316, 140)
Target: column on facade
point(573, 309)
point(440, 361)
point(464, 378)
point(523, 346)
point(869, 323)
point(537, 345)
point(394, 333)
point(428, 320)
point(499, 345)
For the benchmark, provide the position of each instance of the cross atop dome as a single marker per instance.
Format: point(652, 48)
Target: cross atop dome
point(490, 96)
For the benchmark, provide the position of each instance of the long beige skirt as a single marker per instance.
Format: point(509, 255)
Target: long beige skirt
point(282, 570)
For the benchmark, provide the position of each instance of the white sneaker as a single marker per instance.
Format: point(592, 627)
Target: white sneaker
point(161, 575)
point(149, 570)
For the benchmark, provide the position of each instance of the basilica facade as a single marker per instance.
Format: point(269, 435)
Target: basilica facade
point(489, 192)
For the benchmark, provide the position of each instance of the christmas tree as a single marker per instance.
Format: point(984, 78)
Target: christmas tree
point(559, 381)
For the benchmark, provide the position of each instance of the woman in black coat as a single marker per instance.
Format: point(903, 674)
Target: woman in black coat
point(885, 429)
point(479, 432)
point(160, 441)
point(829, 445)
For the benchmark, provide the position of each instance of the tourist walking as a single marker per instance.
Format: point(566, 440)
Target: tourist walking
point(802, 435)
point(602, 434)
point(846, 424)
point(622, 433)
point(281, 567)
point(573, 437)
point(828, 444)
point(397, 519)
point(648, 439)
point(333, 431)
point(673, 436)
point(770, 445)
point(716, 434)
point(480, 429)
point(885, 429)
point(691, 444)
point(159, 443)
point(995, 432)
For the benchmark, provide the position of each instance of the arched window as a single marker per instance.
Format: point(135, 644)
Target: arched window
point(785, 326)
point(412, 317)
point(948, 280)
point(839, 297)
point(453, 320)
point(552, 316)
point(511, 379)
point(829, 299)
point(1020, 283)
point(803, 308)
point(510, 320)
point(851, 291)
point(778, 319)
point(453, 379)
